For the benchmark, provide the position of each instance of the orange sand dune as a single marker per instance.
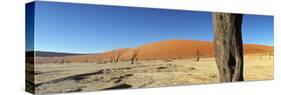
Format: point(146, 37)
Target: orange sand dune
point(162, 50)
point(187, 49)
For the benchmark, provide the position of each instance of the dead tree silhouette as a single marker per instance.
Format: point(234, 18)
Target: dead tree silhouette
point(117, 57)
point(62, 61)
point(134, 55)
point(198, 53)
point(228, 46)
point(111, 59)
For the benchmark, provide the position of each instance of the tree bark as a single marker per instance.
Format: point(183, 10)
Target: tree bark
point(228, 46)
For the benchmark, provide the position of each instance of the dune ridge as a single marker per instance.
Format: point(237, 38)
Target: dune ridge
point(175, 49)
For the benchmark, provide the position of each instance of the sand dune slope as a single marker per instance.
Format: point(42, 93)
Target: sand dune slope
point(167, 49)
point(187, 49)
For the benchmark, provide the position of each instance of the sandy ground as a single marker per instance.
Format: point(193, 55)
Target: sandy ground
point(72, 77)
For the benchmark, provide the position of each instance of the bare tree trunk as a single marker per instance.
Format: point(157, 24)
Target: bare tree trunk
point(118, 56)
point(134, 56)
point(198, 54)
point(198, 58)
point(228, 46)
point(111, 59)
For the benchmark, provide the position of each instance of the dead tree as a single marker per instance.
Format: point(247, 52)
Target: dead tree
point(228, 46)
point(271, 54)
point(134, 56)
point(198, 53)
point(117, 57)
point(62, 61)
point(85, 61)
point(111, 59)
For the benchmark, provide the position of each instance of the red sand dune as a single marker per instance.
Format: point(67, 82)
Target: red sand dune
point(187, 49)
point(165, 49)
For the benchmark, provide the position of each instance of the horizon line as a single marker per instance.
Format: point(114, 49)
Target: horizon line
point(96, 52)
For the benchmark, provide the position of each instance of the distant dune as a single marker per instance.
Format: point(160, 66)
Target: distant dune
point(176, 49)
point(49, 54)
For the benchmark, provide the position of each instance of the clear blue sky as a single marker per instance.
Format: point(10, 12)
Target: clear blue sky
point(84, 28)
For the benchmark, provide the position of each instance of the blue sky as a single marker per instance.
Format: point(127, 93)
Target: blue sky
point(84, 28)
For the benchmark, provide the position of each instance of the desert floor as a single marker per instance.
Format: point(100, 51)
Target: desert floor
point(72, 77)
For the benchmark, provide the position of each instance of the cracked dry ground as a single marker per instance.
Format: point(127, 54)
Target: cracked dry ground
point(73, 77)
